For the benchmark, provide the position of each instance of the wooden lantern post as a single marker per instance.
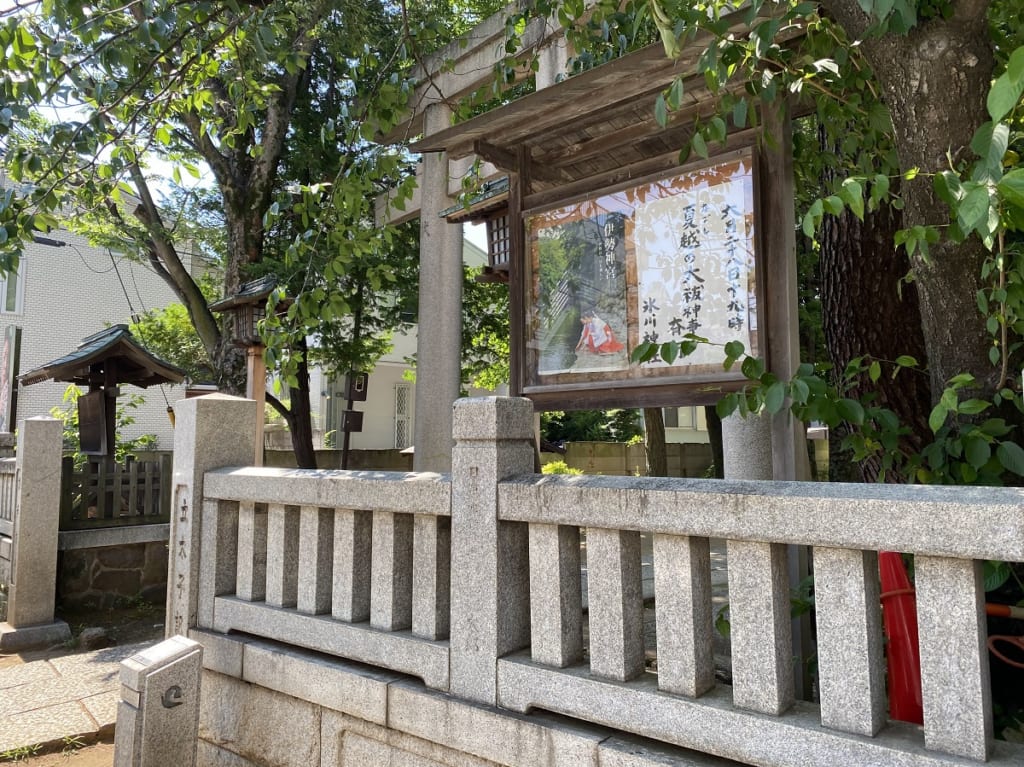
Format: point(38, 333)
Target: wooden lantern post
point(248, 306)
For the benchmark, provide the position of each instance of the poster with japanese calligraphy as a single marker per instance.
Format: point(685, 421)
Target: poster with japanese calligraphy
point(695, 262)
point(661, 260)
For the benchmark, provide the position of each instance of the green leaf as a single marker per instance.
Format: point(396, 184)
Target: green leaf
point(752, 368)
point(661, 110)
point(995, 574)
point(995, 427)
point(833, 204)
point(734, 349)
point(875, 371)
point(774, 397)
point(974, 208)
point(727, 405)
point(948, 188)
point(739, 113)
point(1011, 457)
point(977, 451)
point(675, 94)
point(937, 417)
point(1004, 95)
point(851, 410)
point(669, 352)
point(853, 194)
point(813, 216)
point(906, 361)
point(974, 406)
point(699, 145)
point(989, 143)
point(801, 391)
point(1011, 187)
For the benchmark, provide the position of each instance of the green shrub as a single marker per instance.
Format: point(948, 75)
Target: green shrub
point(559, 467)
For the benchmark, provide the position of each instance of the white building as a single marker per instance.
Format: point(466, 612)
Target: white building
point(388, 411)
point(65, 290)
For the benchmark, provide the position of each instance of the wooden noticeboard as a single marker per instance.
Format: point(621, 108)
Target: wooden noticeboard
point(653, 261)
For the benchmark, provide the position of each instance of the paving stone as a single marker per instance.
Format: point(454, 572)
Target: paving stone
point(45, 724)
point(16, 676)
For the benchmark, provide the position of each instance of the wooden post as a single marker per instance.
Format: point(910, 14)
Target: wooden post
point(778, 238)
point(256, 388)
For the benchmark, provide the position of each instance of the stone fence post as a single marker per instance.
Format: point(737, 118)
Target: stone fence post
point(490, 578)
point(210, 432)
point(33, 585)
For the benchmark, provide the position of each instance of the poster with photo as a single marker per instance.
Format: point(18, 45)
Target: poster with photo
point(580, 317)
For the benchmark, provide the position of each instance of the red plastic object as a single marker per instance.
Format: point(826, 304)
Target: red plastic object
point(899, 611)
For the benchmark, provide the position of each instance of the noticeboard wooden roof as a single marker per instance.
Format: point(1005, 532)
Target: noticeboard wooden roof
point(598, 126)
point(114, 348)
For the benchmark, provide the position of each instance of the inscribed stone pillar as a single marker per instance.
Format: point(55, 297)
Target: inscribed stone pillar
point(439, 344)
point(34, 557)
point(210, 432)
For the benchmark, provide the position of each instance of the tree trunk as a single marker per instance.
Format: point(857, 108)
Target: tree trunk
point(935, 81)
point(864, 311)
point(298, 415)
point(657, 454)
point(715, 438)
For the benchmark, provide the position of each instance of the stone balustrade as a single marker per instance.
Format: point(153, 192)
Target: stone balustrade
point(472, 584)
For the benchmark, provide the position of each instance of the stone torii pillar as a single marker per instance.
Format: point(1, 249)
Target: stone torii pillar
point(439, 344)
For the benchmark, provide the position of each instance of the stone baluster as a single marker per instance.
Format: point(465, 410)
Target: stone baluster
point(316, 558)
point(431, 576)
point(490, 559)
point(955, 683)
point(760, 630)
point(615, 603)
point(851, 678)
point(350, 601)
point(556, 604)
point(391, 571)
point(218, 528)
point(682, 590)
point(252, 552)
point(282, 555)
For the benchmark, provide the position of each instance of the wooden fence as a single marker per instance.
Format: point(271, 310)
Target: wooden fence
point(103, 493)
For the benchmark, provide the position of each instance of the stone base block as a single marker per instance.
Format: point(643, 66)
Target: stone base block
point(33, 637)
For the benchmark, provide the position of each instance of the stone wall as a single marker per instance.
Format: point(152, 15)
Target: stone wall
point(104, 576)
point(291, 708)
point(622, 460)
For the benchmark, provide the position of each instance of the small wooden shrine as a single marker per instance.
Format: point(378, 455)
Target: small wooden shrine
point(100, 364)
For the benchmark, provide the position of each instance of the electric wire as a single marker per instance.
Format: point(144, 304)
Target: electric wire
point(136, 318)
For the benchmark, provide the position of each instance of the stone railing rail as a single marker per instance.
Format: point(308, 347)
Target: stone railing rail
point(358, 565)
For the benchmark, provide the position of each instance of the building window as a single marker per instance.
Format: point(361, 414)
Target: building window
point(499, 241)
point(671, 417)
point(11, 290)
point(403, 420)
